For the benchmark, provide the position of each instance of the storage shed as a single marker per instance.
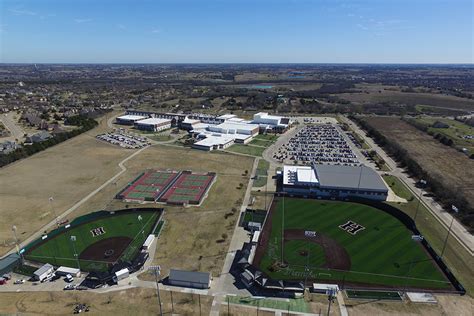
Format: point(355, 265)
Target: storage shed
point(199, 280)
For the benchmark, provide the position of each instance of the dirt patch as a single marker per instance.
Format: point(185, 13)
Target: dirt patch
point(336, 255)
point(106, 250)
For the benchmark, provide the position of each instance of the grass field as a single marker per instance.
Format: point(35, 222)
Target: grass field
point(261, 174)
point(59, 250)
point(455, 131)
point(247, 149)
point(458, 259)
point(381, 254)
point(439, 161)
point(67, 172)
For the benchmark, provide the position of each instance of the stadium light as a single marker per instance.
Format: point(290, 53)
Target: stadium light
point(157, 271)
point(73, 240)
point(423, 183)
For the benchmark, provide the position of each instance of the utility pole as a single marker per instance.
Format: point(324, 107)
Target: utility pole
point(172, 305)
point(456, 210)
point(156, 270)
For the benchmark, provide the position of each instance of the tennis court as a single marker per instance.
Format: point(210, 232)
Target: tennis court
point(189, 188)
point(148, 186)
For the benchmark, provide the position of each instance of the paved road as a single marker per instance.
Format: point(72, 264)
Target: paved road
point(16, 131)
point(225, 281)
point(459, 232)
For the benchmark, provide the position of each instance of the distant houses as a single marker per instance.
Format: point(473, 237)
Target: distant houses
point(8, 147)
point(38, 137)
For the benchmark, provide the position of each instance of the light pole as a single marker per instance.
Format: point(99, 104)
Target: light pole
point(17, 245)
point(51, 199)
point(456, 210)
point(330, 299)
point(140, 218)
point(156, 270)
point(73, 240)
point(422, 184)
point(282, 228)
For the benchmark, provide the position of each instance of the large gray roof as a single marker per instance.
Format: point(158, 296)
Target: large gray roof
point(349, 177)
point(189, 276)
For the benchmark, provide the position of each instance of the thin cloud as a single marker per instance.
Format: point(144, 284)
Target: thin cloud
point(82, 20)
point(362, 27)
point(156, 31)
point(121, 27)
point(23, 12)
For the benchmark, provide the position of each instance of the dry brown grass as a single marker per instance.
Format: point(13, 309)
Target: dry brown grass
point(430, 99)
point(67, 172)
point(441, 161)
point(129, 302)
point(197, 238)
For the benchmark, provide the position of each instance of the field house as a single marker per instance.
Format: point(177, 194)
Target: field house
point(171, 187)
point(348, 243)
point(96, 241)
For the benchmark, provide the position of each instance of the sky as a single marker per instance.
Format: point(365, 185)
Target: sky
point(236, 31)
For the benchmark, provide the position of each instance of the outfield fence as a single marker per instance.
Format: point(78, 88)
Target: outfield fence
point(93, 265)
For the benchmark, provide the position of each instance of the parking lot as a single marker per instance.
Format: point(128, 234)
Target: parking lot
point(322, 143)
point(123, 139)
point(18, 283)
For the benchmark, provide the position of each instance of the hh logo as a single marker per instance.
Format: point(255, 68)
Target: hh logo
point(97, 231)
point(351, 227)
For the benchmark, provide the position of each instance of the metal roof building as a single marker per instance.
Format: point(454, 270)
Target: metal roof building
point(334, 181)
point(200, 280)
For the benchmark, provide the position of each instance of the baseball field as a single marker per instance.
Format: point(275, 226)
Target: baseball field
point(343, 242)
point(96, 241)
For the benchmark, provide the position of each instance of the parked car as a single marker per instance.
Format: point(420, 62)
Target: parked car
point(19, 281)
point(68, 278)
point(69, 287)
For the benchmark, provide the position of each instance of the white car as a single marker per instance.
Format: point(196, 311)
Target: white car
point(19, 281)
point(68, 278)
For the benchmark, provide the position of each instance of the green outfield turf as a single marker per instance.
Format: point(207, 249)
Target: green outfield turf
point(59, 250)
point(383, 253)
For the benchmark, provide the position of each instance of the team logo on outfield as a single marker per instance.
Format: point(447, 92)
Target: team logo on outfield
point(351, 227)
point(309, 233)
point(97, 231)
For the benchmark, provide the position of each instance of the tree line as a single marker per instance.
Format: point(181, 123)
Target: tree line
point(84, 124)
point(447, 195)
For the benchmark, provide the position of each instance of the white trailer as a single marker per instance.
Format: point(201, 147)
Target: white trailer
point(149, 240)
point(43, 272)
point(121, 274)
point(63, 271)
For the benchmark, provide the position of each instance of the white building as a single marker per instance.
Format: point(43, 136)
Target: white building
point(129, 119)
point(43, 272)
point(220, 136)
point(153, 124)
point(334, 181)
point(271, 122)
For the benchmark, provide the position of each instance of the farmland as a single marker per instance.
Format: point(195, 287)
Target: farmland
point(461, 134)
point(443, 163)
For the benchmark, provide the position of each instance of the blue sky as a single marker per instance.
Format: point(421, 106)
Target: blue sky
point(236, 31)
